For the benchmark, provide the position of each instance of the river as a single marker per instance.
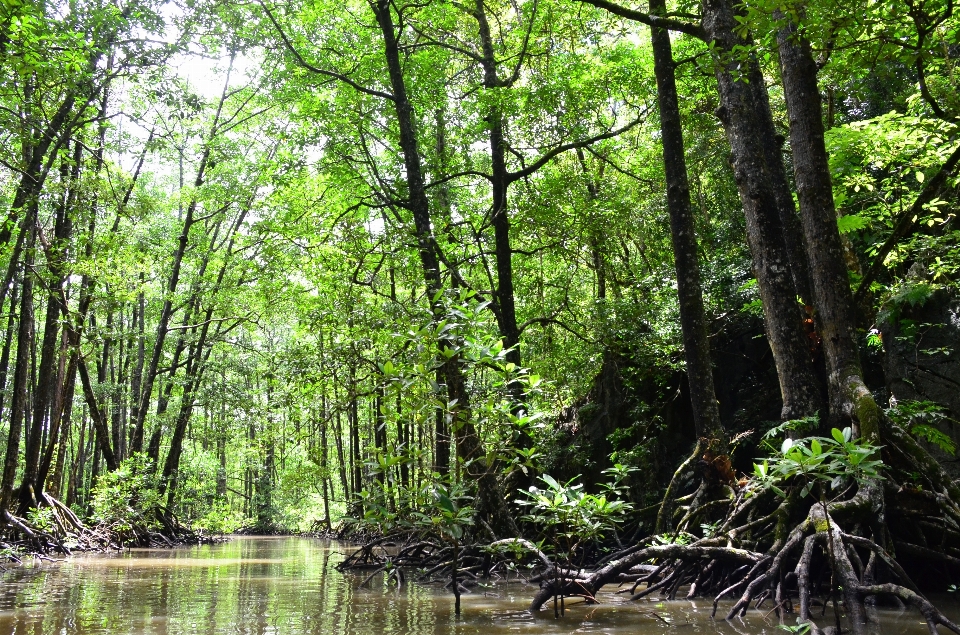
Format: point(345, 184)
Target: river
point(288, 586)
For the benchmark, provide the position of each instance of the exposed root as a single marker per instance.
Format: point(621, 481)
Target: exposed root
point(665, 515)
point(758, 550)
point(526, 544)
point(816, 558)
point(57, 529)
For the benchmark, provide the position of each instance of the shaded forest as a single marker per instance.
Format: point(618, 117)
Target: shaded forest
point(661, 294)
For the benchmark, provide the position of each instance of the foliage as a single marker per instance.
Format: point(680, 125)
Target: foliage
point(909, 291)
point(794, 426)
point(42, 518)
point(129, 497)
point(570, 517)
point(447, 512)
point(880, 166)
point(220, 519)
point(921, 419)
point(801, 628)
point(813, 462)
point(292, 351)
point(438, 508)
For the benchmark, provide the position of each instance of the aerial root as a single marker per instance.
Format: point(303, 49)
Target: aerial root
point(665, 515)
point(676, 562)
point(930, 613)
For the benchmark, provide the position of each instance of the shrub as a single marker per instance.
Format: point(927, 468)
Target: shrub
point(129, 497)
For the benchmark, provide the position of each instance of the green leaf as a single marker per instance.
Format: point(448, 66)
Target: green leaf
point(934, 436)
point(851, 223)
point(550, 481)
point(445, 503)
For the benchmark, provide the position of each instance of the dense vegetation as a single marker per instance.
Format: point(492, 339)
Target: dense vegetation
point(679, 279)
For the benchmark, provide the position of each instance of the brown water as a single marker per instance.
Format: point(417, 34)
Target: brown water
point(287, 586)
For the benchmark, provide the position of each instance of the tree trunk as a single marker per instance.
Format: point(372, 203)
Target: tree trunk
point(44, 387)
point(403, 442)
point(468, 444)
point(693, 320)
point(136, 377)
point(171, 467)
point(97, 416)
point(8, 340)
point(441, 441)
point(62, 389)
point(196, 364)
point(196, 358)
point(325, 465)
point(380, 430)
point(40, 156)
point(55, 483)
point(94, 468)
point(740, 111)
point(75, 479)
point(595, 239)
point(849, 396)
point(60, 413)
point(139, 415)
point(21, 375)
point(787, 210)
point(506, 300)
point(264, 494)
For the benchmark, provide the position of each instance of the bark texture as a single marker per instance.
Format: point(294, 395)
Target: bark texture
point(849, 395)
point(741, 112)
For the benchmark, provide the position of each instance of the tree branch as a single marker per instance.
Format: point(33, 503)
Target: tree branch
point(457, 176)
point(542, 321)
point(539, 163)
point(523, 49)
point(906, 222)
point(650, 20)
point(315, 69)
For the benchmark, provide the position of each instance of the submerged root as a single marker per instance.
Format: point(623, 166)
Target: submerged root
point(437, 560)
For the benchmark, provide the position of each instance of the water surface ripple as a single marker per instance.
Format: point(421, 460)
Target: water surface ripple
point(288, 586)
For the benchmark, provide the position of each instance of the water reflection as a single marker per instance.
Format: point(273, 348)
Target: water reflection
point(287, 586)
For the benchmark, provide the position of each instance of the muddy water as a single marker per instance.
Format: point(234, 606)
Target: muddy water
point(287, 586)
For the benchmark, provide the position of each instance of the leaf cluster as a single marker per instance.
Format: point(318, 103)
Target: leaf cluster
point(837, 461)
